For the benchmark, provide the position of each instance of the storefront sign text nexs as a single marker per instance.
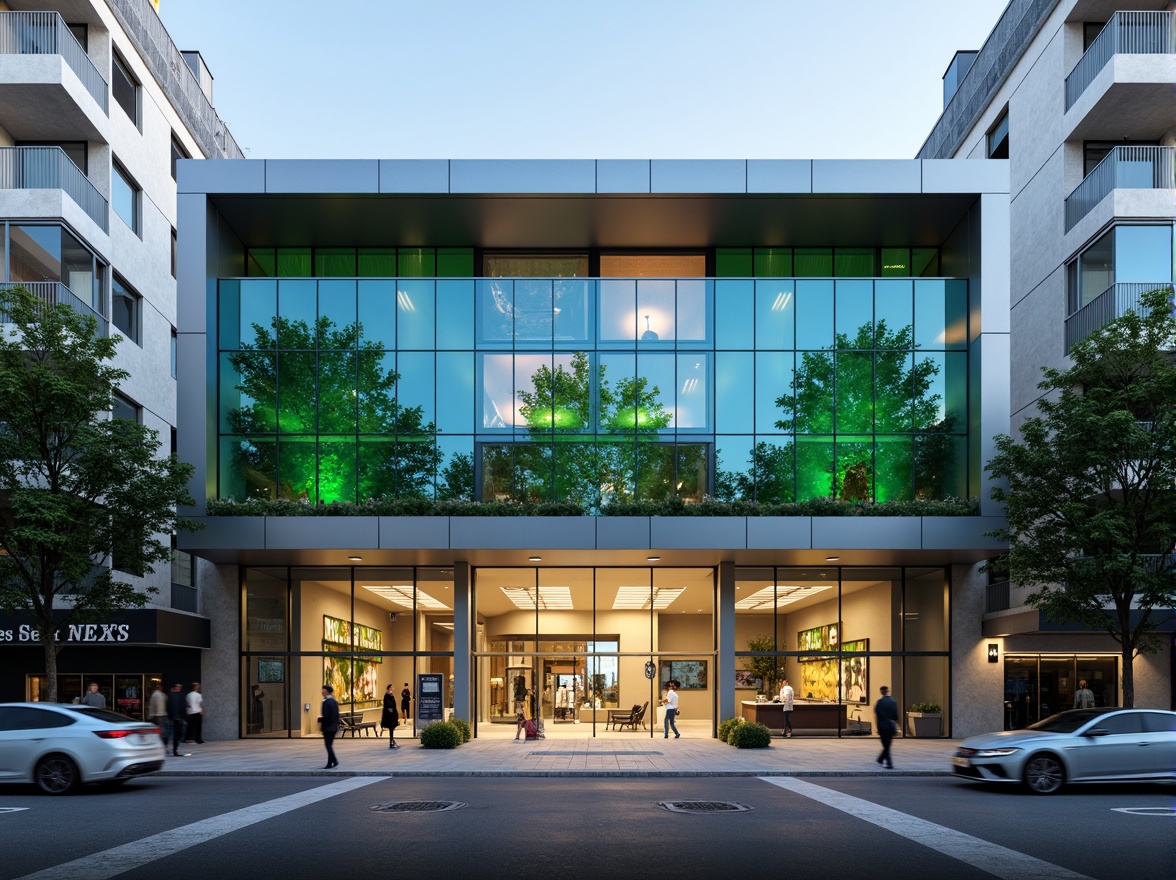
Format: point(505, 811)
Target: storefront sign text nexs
point(75, 632)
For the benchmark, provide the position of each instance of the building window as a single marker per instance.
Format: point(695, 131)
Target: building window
point(1125, 254)
point(125, 88)
point(81, 33)
point(177, 153)
point(998, 137)
point(125, 310)
point(173, 353)
point(125, 408)
point(125, 197)
point(173, 252)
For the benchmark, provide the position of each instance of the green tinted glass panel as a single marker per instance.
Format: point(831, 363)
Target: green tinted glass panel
point(855, 468)
point(376, 263)
point(297, 393)
point(334, 262)
point(733, 263)
point(773, 465)
point(896, 262)
point(336, 392)
point(248, 468)
point(893, 463)
point(248, 401)
point(924, 262)
point(813, 262)
point(773, 262)
point(336, 469)
point(955, 312)
point(691, 475)
point(260, 263)
point(497, 471)
point(296, 469)
point(894, 387)
point(939, 463)
point(375, 473)
point(416, 262)
point(293, 263)
point(854, 262)
point(814, 468)
point(455, 262)
point(855, 392)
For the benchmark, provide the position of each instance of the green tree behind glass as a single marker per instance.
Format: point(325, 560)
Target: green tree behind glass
point(318, 402)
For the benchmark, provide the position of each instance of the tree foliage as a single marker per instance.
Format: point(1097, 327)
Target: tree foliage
point(80, 492)
point(769, 668)
point(1090, 499)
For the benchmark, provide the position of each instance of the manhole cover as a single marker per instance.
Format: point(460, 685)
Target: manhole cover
point(417, 807)
point(704, 807)
point(1146, 811)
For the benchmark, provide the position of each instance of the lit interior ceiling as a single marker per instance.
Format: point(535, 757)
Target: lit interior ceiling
point(636, 598)
point(541, 598)
point(775, 596)
point(403, 596)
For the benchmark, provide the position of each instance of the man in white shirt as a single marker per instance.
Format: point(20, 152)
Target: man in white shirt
point(670, 701)
point(786, 697)
point(195, 703)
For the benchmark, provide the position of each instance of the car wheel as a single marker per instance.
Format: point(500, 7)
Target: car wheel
point(57, 774)
point(1044, 774)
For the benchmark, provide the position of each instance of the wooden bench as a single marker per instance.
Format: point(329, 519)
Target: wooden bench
point(619, 719)
point(352, 722)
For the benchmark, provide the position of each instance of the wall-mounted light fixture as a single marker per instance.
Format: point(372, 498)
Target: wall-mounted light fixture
point(993, 652)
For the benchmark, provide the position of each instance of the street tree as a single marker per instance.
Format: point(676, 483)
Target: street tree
point(84, 497)
point(1090, 499)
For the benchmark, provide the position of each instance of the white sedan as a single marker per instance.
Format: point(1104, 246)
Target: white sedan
point(60, 746)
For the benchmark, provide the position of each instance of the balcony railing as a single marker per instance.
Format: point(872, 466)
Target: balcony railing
point(997, 598)
point(45, 33)
point(52, 293)
point(51, 168)
point(1127, 33)
point(1114, 302)
point(1123, 168)
point(184, 598)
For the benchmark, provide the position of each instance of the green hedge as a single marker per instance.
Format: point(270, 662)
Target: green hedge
point(673, 507)
point(463, 728)
point(727, 726)
point(750, 736)
point(440, 735)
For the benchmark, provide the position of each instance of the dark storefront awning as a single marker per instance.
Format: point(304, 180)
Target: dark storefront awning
point(143, 626)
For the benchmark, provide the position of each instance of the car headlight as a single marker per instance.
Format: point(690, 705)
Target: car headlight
point(994, 753)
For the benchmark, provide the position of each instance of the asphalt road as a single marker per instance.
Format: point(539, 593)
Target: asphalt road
point(296, 828)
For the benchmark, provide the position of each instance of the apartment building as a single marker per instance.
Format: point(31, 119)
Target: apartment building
point(97, 106)
point(1079, 97)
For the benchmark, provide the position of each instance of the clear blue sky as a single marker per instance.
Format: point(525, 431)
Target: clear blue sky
point(579, 78)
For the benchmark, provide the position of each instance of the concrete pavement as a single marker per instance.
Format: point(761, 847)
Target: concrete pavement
point(570, 753)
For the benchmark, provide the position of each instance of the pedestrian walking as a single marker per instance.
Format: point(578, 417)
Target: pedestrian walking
point(787, 697)
point(177, 714)
point(93, 697)
point(406, 702)
point(329, 724)
point(390, 720)
point(157, 710)
point(1084, 696)
point(886, 714)
point(195, 704)
point(670, 701)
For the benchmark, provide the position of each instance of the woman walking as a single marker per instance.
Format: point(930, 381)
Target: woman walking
point(390, 720)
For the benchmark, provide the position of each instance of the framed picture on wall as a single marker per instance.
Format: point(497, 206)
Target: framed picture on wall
point(748, 681)
point(690, 674)
point(855, 672)
point(271, 670)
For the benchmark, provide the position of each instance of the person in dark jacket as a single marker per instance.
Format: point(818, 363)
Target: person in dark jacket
point(886, 713)
point(329, 723)
point(177, 715)
point(390, 720)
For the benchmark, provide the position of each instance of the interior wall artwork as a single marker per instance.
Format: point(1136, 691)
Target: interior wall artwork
point(690, 674)
point(354, 678)
point(831, 678)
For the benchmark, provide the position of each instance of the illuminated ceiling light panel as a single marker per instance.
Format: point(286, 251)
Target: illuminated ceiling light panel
point(783, 298)
point(549, 598)
point(637, 598)
point(403, 596)
point(782, 595)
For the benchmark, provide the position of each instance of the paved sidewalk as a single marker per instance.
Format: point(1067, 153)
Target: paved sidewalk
point(610, 755)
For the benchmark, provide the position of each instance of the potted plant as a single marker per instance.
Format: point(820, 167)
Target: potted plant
point(925, 719)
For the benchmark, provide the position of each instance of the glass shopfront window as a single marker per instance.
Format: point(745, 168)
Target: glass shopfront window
point(1040, 685)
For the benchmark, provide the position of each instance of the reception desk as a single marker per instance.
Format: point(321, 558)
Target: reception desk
point(807, 718)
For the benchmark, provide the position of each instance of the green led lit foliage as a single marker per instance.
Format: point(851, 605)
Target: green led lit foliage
point(341, 432)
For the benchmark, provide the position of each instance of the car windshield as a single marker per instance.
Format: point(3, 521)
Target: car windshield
point(100, 714)
point(1066, 722)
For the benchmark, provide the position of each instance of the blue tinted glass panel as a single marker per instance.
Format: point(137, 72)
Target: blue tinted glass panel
point(495, 311)
point(955, 368)
point(455, 314)
point(693, 310)
point(773, 381)
point(931, 403)
point(377, 392)
point(956, 314)
point(693, 385)
point(855, 314)
point(735, 392)
point(414, 316)
point(893, 468)
point(775, 313)
point(376, 472)
point(258, 306)
point(455, 479)
point(618, 310)
point(773, 465)
point(894, 307)
point(814, 314)
point(497, 391)
point(733, 479)
point(735, 314)
point(894, 407)
point(930, 314)
point(377, 313)
point(618, 401)
point(533, 316)
point(247, 399)
point(1143, 253)
point(416, 386)
point(655, 387)
point(228, 305)
point(337, 304)
point(455, 403)
point(656, 314)
point(572, 310)
point(298, 309)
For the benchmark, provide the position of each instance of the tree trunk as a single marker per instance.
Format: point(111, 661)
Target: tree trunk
point(49, 643)
point(1128, 678)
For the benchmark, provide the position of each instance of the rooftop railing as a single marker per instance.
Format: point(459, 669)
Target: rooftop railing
point(52, 293)
point(51, 168)
point(45, 33)
point(1114, 302)
point(1123, 168)
point(1127, 33)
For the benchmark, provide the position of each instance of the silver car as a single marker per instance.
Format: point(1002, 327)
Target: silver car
point(60, 746)
point(1081, 745)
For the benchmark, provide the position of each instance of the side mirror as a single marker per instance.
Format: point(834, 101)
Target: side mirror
point(1096, 731)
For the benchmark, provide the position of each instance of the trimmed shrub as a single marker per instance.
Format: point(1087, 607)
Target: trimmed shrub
point(727, 726)
point(750, 736)
point(440, 735)
point(463, 728)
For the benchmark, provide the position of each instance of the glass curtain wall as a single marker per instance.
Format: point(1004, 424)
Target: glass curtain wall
point(1040, 685)
point(571, 646)
point(356, 629)
point(837, 635)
